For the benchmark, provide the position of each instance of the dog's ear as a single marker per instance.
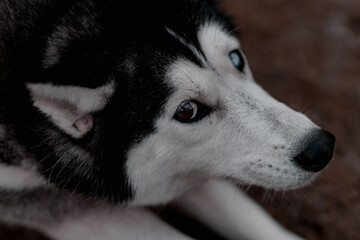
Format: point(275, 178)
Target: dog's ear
point(70, 108)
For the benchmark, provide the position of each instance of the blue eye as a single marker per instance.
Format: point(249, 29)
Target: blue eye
point(237, 60)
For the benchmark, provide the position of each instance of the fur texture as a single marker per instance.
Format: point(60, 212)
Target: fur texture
point(95, 98)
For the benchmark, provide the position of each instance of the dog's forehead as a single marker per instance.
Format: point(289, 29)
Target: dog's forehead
point(211, 39)
point(184, 20)
point(215, 39)
point(192, 81)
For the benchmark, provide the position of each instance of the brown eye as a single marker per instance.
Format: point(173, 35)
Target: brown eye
point(186, 111)
point(191, 111)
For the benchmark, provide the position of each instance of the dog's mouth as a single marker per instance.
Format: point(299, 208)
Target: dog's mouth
point(276, 178)
point(283, 185)
point(316, 151)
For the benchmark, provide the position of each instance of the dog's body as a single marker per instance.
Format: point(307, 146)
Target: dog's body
point(139, 106)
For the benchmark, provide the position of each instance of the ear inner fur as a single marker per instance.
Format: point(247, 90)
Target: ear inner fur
point(70, 107)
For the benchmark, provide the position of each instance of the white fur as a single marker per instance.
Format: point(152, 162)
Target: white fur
point(113, 224)
point(223, 208)
point(70, 107)
point(17, 178)
point(249, 137)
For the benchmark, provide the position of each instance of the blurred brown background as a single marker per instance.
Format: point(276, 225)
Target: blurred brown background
point(307, 54)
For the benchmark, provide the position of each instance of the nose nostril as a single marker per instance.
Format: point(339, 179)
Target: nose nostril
point(318, 151)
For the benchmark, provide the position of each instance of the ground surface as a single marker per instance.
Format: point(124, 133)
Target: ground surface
point(307, 54)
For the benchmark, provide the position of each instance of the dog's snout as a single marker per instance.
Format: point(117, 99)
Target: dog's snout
point(318, 151)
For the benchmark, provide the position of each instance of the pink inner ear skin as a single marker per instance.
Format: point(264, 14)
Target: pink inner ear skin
point(83, 125)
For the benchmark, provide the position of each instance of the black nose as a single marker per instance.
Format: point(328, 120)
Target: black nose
point(318, 151)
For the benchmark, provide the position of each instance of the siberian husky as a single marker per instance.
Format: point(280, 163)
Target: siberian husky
point(107, 108)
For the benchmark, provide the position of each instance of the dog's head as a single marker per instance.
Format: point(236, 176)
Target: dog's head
point(142, 112)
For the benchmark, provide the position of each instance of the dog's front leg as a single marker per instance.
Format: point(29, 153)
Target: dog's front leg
point(114, 224)
point(228, 211)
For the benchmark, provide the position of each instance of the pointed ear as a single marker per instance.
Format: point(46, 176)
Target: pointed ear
point(70, 108)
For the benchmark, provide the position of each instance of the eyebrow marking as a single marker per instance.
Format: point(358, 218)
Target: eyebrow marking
point(191, 47)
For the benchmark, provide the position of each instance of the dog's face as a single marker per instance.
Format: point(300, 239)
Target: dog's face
point(175, 108)
point(218, 123)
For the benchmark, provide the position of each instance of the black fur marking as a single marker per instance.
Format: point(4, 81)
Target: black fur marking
point(86, 43)
point(17, 231)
